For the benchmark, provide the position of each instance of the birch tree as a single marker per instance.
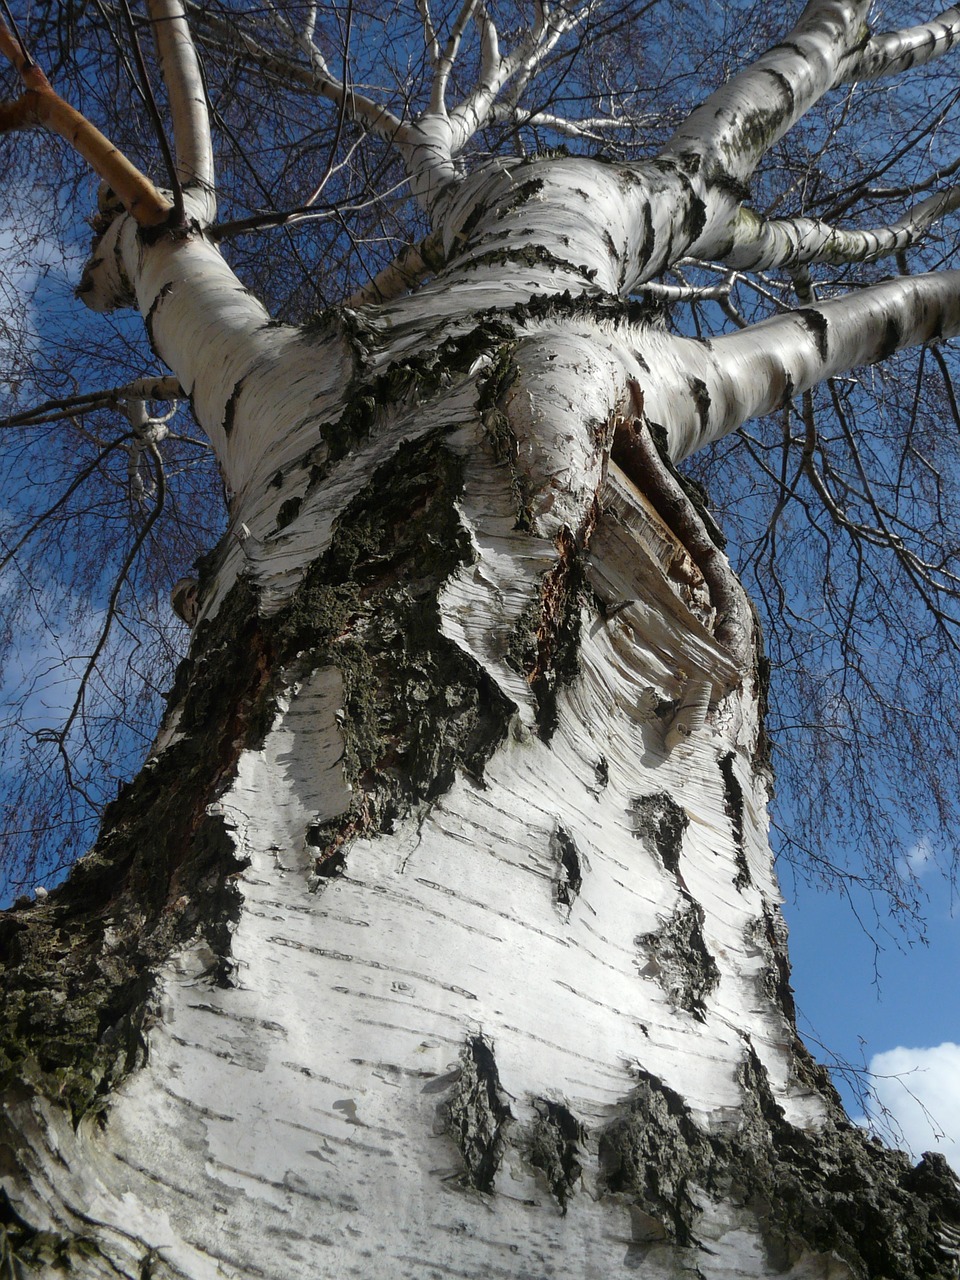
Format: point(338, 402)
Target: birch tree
point(439, 932)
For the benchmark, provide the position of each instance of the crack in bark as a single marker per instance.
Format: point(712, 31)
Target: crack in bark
point(570, 870)
point(733, 804)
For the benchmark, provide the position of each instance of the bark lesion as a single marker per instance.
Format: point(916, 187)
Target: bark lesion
point(645, 460)
point(478, 1113)
point(822, 1195)
point(556, 1146)
point(677, 956)
point(545, 647)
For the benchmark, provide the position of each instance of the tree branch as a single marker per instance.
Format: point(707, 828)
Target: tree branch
point(705, 391)
point(740, 122)
point(72, 406)
point(188, 100)
point(316, 78)
point(41, 105)
point(895, 51)
point(791, 242)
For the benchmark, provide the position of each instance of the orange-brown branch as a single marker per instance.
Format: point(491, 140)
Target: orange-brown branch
point(40, 105)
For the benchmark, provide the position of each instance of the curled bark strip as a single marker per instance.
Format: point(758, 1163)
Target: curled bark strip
point(635, 451)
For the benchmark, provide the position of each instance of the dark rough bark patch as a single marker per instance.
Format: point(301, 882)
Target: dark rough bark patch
point(555, 1147)
point(678, 958)
point(25, 1252)
point(478, 1113)
point(329, 862)
point(76, 970)
point(827, 1191)
point(660, 823)
point(654, 1154)
point(545, 647)
point(818, 326)
point(733, 807)
point(415, 707)
point(570, 874)
point(491, 403)
point(402, 385)
point(702, 402)
point(769, 933)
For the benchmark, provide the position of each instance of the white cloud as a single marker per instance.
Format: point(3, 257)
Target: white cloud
point(918, 1098)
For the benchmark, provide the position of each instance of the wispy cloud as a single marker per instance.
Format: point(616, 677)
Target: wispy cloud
point(918, 1098)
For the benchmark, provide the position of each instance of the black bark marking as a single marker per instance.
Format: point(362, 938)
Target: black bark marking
point(155, 305)
point(648, 238)
point(570, 871)
point(786, 88)
point(478, 1113)
point(892, 338)
point(288, 512)
point(602, 770)
point(733, 807)
point(660, 823)
point(556, 1145)
point(701, 400)
point(230, 408)
point(830, 1190)
point(818, 325)
point(678, 958)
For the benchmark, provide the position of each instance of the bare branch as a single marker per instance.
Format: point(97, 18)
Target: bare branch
point(791, 242)
point(72, 406)
point(896, 51)
point(438, 92)
point(188, 100)
point(316, 77)
point(741, 121)
point(41, 105)
point(705, 392)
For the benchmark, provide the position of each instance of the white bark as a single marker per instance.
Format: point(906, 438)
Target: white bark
point(704, 390)
point(303, 1106)
point(188, 100)
point(591, 908)
point(892, 52)
point(759, 244)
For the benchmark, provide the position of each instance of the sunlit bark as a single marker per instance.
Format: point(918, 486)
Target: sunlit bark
point(440, 933)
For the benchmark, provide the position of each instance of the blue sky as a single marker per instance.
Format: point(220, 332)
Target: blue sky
point(887, 1005)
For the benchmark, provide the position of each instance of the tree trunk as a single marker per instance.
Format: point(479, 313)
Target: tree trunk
point(439, 936)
